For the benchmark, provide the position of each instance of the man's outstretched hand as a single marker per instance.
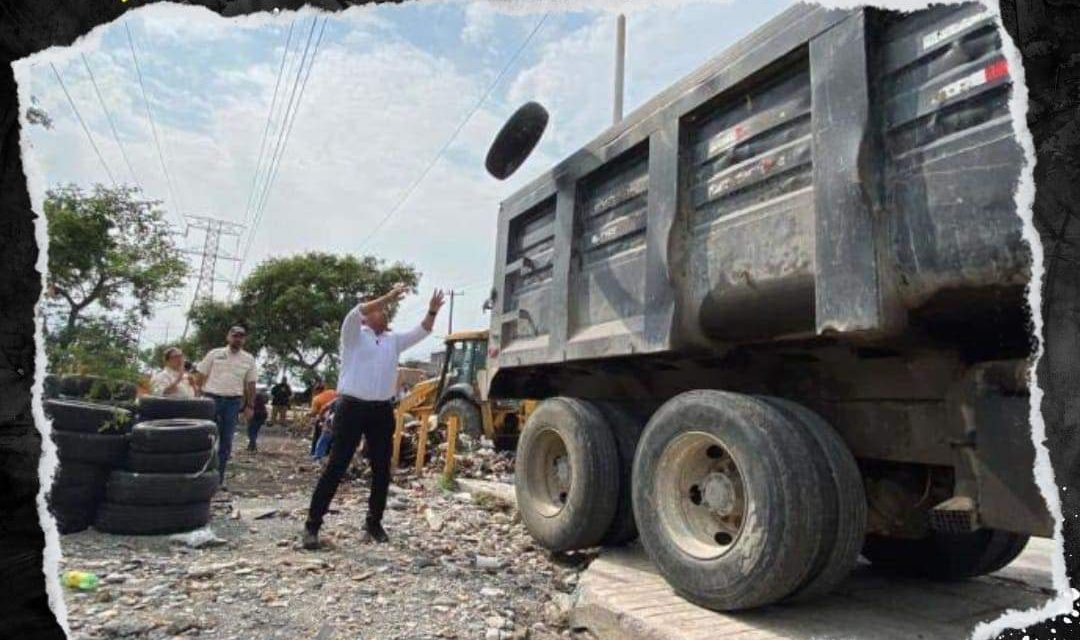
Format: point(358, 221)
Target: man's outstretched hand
point(437, 301)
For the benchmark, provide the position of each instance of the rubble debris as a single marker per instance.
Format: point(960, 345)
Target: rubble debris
point(198, 539)
point(454, 568)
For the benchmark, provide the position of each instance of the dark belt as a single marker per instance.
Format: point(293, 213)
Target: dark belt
point(370, 403)
point(214, 395)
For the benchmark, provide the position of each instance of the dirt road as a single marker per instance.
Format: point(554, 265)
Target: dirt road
point(454, 568)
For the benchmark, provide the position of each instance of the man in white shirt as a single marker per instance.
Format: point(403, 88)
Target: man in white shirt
point(369, 357)
point(227, 376)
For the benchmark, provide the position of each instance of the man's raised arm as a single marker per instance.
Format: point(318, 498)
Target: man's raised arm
point(354, 320)
point(421, 331)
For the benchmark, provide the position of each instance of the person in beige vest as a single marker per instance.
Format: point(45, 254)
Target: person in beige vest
point(227, 376)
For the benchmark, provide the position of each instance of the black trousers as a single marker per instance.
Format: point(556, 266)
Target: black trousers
point(356, 419)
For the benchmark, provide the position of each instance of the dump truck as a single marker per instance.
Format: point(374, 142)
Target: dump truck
point(776, 316)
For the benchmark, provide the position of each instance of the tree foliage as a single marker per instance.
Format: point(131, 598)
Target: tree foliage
point(296, 303)
point(293, 307)
point(108, 251)
point(103, 346)
point(211, 321)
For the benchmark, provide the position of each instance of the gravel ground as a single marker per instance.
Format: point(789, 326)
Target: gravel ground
point(456, 567)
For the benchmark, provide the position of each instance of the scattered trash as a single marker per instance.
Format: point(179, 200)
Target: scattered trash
point(198, 539)
point(453, 565)
point(82, 580)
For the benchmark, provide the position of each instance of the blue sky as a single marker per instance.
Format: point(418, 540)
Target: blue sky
point(389, 85)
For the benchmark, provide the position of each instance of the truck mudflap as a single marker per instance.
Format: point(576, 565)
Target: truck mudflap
point(995, 477)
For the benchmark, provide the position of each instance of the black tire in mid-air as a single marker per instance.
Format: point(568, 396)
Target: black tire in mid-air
point(173, 435)
point(945, 556)
point(132, 519)
point(567, 475)
point(161, 408)
point(728, 500)
point(125, 487)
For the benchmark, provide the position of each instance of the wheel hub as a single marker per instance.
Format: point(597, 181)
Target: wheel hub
point(562, 472)
point(719, 494)
point(701, 497)
point(549, 474)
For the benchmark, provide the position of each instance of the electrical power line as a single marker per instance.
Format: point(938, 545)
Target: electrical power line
point(288, 120)
point(85, 129)
point(112, 125)
point(269, 118)
point(153, 127)
point(416, 183)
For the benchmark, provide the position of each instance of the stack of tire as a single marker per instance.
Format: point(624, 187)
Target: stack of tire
point(91, 440)
point(170, 472)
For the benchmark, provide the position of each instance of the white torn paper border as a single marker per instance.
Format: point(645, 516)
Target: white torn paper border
point(1061, 604)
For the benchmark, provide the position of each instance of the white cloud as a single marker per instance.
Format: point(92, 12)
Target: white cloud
point(479, 23)
point(375, 111)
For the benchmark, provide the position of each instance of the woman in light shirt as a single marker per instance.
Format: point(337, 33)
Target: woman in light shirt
point(172, 381)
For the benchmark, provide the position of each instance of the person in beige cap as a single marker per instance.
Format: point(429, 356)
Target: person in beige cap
point(227, 376)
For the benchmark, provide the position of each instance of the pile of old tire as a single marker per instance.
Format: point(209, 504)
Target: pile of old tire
point(91, 440)
point(170, 475)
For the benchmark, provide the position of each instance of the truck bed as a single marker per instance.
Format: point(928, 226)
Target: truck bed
point(835, 175)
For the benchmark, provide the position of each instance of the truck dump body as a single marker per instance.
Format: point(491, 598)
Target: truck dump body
point(781, 307)
point(836, 175)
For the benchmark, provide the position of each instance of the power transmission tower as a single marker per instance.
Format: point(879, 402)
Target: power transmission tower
point(214, 229)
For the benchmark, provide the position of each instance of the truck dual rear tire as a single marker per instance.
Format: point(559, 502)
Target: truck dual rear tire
point(845, 520)
point(626, 428)
point(729, 500)
point(567, 475)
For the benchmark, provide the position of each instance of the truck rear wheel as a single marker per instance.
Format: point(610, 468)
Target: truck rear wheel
point(727, 499)
point(845, 518)
point(567, 476)
point(945, 556)
point(626, 428)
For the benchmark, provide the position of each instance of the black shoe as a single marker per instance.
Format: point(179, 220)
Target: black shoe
point(377, 533)
point(311, 540)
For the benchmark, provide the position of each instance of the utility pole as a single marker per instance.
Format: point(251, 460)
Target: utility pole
point(214, 229)
point(450, 318)
point(620, 66)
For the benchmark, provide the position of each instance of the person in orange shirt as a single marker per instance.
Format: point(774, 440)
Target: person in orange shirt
point(321, 397)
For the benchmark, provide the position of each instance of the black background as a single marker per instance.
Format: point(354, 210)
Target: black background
point(1046, 31)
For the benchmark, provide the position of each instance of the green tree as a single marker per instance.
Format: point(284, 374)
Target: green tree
point(211, 321)
point(103, 346)
point(295, 305)
point(109, 251)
